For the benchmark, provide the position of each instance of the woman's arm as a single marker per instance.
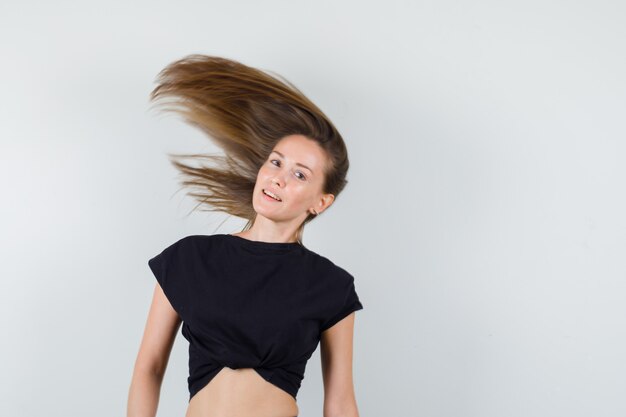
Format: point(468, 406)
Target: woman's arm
point(336, 357)
point(158, 339)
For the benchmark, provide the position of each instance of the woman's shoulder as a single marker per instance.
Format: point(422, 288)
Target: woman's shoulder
point(330, 269)
point(198, 239)
point(193, 243)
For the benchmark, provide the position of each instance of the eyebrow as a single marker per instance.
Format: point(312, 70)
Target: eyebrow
point(297, 163)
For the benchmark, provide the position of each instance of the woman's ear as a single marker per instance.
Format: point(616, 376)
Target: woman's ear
point(324, 202)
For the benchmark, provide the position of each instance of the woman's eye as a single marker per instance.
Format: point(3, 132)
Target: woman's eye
point(301, 177)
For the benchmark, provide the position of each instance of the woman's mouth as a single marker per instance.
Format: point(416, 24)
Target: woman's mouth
point(271, 196)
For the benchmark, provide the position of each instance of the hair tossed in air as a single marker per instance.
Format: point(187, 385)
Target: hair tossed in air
point(245, 111)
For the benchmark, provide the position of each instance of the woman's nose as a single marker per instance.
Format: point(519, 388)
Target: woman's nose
point(277, 181)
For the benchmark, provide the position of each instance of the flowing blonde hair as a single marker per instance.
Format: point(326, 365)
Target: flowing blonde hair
point(245, 111)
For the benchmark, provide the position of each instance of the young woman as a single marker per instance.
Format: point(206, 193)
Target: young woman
point(253, 305)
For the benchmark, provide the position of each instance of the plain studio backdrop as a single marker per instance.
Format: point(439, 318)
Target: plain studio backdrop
point(483, 220)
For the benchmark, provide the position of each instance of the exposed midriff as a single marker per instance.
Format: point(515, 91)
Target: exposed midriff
point(244, 393)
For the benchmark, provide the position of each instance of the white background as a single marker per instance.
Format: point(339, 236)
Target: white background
point(483, 219)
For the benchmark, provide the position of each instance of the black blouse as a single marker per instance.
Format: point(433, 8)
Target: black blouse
point(252, 304)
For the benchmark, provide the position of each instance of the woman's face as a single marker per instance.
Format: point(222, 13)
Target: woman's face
point(294, 172)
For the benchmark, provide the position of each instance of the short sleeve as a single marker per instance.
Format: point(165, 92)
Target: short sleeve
point(350, 303)
point(169, 270)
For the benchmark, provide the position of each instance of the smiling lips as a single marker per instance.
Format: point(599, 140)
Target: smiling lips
point(271, 195)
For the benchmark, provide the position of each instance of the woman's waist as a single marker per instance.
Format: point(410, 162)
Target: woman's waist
point(241, 392)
